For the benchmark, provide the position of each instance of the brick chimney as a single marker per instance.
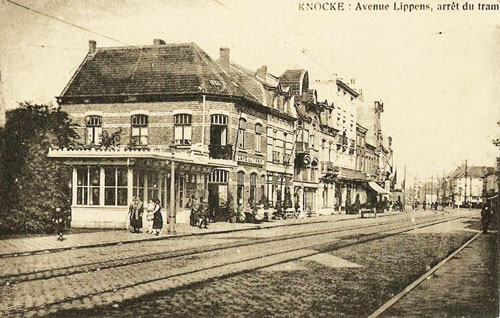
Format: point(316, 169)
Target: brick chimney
point(92, 46)
point(262, 72)
point(224, 56)
point(158, 42)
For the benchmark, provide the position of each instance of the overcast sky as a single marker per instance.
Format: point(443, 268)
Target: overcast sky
point(437, 73)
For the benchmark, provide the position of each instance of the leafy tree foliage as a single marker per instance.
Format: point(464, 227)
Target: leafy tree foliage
point(32, 185)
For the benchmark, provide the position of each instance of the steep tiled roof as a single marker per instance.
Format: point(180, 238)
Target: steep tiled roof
point(292, 78)
point(263, 91)
point(150, 70)
point(248, 82)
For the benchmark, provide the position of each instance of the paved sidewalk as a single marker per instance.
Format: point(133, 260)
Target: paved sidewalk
point(465, 286)
point(42, 244)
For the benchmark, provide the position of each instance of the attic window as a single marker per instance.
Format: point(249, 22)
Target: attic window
point(214, 82)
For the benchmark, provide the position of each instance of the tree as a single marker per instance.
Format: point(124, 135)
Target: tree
point(32, 185)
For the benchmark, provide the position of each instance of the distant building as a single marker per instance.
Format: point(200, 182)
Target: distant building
point(467, 186)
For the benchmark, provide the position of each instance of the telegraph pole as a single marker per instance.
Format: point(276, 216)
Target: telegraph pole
point(432, 188)
point(404, 190)
point(465, 183)
point(437, 189)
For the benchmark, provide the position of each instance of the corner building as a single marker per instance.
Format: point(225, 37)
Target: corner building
point(184, 126)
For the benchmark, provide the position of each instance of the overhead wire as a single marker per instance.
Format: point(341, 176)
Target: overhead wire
point(303, 51)
point(67, 22)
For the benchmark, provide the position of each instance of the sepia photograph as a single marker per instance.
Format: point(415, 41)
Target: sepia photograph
point(250, 158)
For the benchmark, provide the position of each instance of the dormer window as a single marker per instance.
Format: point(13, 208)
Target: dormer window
point(139, 134)
point(93, 130)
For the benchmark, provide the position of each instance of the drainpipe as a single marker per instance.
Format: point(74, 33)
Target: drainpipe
point(203, 121)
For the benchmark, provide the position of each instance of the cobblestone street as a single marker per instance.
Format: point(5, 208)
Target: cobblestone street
point(348, 282)
point(466, 286)
point(281, 271)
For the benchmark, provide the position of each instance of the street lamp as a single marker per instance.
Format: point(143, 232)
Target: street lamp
point(171, 213)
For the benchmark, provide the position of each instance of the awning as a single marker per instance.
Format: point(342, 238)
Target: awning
point(377, 188)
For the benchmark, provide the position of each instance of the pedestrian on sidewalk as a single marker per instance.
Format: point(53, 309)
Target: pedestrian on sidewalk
point(157, 218)
point(203, 213)
point(59, 220)
point(193, 206)
point(486, 216)
point(135, 214)
point(149, 216)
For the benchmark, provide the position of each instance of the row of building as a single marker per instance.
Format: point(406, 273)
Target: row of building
point(462, 187)
point(192, 125)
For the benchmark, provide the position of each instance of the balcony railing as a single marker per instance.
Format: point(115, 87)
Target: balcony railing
point(221, 151)
point(302, 147)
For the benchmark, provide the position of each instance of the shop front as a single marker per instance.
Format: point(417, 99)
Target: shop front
point(104, 183)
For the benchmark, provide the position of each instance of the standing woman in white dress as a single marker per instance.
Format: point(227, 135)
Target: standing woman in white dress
point(149, 215)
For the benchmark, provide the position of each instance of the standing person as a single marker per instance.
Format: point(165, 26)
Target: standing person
point(149, 215)
point(157, 218)
point(297, 208)
point(58, 219)
point(191, 205)
point(203, 212)
point(486, 216)
point(135, 214)
point(357, 205)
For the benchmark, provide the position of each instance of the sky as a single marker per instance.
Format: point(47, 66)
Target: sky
point(438, 73)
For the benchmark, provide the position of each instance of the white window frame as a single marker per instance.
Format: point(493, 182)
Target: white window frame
point(183, 129)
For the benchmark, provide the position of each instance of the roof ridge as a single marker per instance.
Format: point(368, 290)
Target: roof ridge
point(77, 71)
point(130, 47)
point(210, 64)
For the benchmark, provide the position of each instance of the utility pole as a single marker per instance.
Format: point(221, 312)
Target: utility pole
point(465, 183)
point(425, 191)
point(437, 188)
point(404, 190)
point(432, 188)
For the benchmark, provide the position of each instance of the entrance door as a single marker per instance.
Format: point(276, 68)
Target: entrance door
point(308, 201)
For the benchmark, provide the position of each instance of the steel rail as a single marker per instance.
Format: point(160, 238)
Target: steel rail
point(339, 244)
point(100, 265)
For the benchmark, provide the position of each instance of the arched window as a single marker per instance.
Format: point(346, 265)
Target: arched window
point(139, 134)
point(93, 130)
point(262, 188)
point(218, 130)
point(241, 133)
point(218, 176)
point(253, 188)
point(182, 133)
point(240, 187)
point(258, 137)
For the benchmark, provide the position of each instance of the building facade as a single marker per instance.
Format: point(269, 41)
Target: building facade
point(167, 122)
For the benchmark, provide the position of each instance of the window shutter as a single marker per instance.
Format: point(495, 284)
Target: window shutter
point(187, 134)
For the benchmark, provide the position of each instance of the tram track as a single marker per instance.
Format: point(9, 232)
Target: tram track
point(237, 266)
point(120, 262)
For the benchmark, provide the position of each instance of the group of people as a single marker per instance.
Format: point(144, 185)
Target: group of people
point(433, 205)
point(153, 216)
point(199, 212)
